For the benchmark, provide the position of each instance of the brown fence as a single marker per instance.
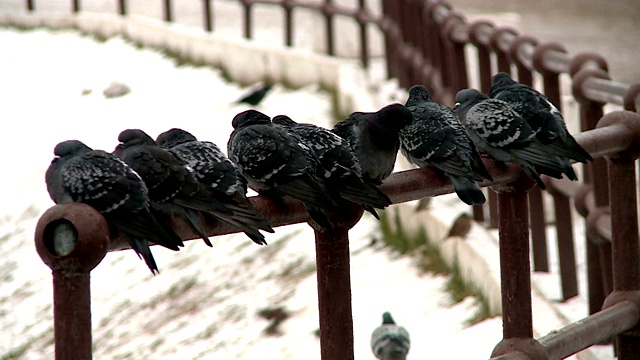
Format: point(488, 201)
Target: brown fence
point(433, 53)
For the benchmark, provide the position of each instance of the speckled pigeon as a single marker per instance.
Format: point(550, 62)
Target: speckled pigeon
point(101, 180)
point(173, 186)
point(274, 161)
point(437, 139)
point(340, 167)
point(390, 341)
point(221, 177)
point(496, 129)
point(374, 138)
point(544, 118)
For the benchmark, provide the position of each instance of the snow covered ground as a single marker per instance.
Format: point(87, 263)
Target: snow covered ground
point(204, 304)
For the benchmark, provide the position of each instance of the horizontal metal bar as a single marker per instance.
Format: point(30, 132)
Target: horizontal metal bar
point(591, 330)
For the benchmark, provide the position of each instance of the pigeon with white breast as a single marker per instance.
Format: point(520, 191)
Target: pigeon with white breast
point(390, 341)
point(174, 189)
point(496, 129)
point(437, 139)
point(221, 177)
point(274, 161)
point(340, 167)
point(542, 115)
point(374, 138)
point(104, 182)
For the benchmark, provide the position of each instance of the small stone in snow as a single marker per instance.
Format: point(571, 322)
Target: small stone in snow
point(116, 89)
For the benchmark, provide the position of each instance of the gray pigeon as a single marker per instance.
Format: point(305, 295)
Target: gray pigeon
point(173, 186)
point(374, 138)
point(390, 341)
point(340, 167)
point(544, 118)
point(437, 139)
point(102, 181)
point(496, 129)
point(275, 162)
point(221, 177)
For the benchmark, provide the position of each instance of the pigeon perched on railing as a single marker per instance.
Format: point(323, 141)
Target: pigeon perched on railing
point(221, 177)
point(542, 115)
point(274, 161)
point(390, 341)
point(374, 138)
point(173, 186)
point(496, 129)
point(437, 139)
point(104, 182)
point(340, 167)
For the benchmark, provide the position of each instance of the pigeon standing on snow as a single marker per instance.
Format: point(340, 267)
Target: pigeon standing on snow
point(173, 186)
point(544, 118)
point(221, 177)
point(102, 181)
point(340, 167)
point(496, 129)
point(437, 139)
point(272, 160)
point(374, 138)
point(390, 341)
point(255, 96)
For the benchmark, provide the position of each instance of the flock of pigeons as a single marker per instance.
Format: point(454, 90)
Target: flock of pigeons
point(146, 181)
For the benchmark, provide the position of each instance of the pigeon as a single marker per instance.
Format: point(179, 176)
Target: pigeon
point(437, 139)
point(374, 138)
point(255, 96)
point(390, 341)
point(340, 166)
point(101, 180)
point(221, 177)
point(173, 186)
point(496, 129)
point(544, 118)
point(275, 162)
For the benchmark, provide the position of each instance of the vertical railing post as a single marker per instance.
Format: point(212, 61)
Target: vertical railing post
point(122, 7)
point(287, 6)
point(167, 11)
point(564, 225)
point(327, 11)
point(598, 254)
point(75, 6)
point(31, 6)
point(334, 286)
point(364, 35)
point(208, 16)
point(515, 270)
point(72, 239)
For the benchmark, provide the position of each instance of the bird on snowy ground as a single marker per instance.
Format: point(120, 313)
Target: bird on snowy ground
point(496, 129)
point(104, 182)
point(437, 139)
point(390, 341)
point(374, 138)
point(340, 167)
point(255, 95)
point(173, 186)
point(544, 118)
point(275, 162)
point(221, 177)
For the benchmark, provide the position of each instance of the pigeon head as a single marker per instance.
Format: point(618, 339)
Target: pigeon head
point(387, 319)
point(136, 136)
point(284, 120)
point(418, 94)
point(394, 116)
point(469, 97)
point(502, 79)
point(70, 147)
point(249, 117)
point(173, 137)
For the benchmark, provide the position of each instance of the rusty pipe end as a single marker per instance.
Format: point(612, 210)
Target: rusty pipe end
point(592, 225)
point(582, 59)
point(539, 54)
point(480, 33)
point(516, 50)
point(630, 100)
point(579, 79)
point(581, 199)
point(631, 121)
point(618, 296)
point(531, 348)
point(72, 237)
point(450, 24)
point(496, 39)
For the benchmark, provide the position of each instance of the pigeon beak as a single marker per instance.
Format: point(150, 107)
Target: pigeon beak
point(457, 105)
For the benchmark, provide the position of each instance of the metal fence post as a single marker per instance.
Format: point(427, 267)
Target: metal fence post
point(72, 239)
point(334, 285)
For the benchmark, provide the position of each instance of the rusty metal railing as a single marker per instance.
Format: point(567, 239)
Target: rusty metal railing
point(433, 53)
